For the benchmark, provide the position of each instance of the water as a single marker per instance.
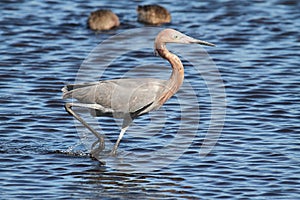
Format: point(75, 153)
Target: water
point(257, 156)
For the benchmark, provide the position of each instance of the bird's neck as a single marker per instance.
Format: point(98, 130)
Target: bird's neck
point(177, 76)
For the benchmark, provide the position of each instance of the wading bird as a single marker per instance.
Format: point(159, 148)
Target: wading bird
point(130, 98)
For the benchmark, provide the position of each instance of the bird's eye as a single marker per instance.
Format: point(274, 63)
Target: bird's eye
point(175, 36)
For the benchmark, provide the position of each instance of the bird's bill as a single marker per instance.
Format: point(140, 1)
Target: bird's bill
point(204, 43)
point(192, 40)
point(195, 41)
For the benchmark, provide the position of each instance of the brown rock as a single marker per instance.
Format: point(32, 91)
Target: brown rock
point(103, 20)
point(153, 14)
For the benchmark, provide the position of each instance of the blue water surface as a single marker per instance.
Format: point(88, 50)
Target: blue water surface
point(43, 44)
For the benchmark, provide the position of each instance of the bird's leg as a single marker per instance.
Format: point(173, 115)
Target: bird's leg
point(100, 138)
point(126, 122)
point(114, 150)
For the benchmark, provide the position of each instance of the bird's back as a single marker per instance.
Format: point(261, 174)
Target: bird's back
point(120, 95)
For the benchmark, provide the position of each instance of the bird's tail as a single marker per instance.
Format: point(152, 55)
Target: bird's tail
point(69, 89)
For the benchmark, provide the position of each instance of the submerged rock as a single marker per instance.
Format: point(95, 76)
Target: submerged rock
point(103, 20)
point(153, 14)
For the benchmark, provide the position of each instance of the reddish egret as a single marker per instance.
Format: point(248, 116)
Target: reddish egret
point(130, 98)
point(103, 20)
point(153, 14)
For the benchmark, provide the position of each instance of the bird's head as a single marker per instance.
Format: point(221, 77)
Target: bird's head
point(173, 36)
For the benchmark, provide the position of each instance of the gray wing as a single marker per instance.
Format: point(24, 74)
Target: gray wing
point(120, 95)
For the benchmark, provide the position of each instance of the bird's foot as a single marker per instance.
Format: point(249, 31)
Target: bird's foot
point(113, 152)
point(97, 150)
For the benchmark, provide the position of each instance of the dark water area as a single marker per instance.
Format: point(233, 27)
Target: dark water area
point(43, 44)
